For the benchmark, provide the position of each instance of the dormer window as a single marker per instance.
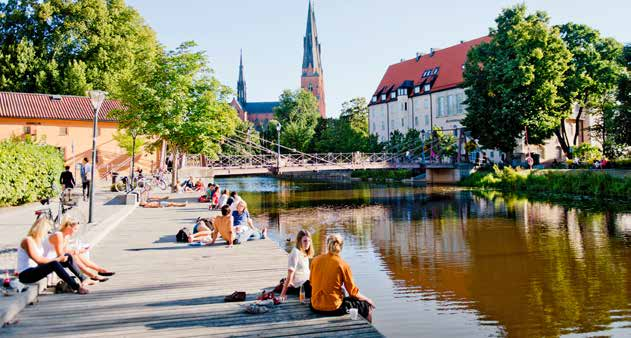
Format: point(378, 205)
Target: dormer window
point(374, 99)
point(383, 97)
point(393, 95)
point(417, 89)
point(427, 87)
point(435, 72)
point(402, 92)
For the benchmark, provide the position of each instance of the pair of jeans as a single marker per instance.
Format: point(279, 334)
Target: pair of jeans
point(248, 234)
point(32, 275)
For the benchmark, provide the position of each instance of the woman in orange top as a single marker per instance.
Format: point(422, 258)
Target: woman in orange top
point(328, 273)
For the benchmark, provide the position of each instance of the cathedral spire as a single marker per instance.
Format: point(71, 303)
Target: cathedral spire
point(241, 91)
point(311, 58)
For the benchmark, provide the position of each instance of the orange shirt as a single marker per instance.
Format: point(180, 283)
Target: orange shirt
point(328, 273)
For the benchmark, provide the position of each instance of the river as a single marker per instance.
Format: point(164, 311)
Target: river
point(448, 262)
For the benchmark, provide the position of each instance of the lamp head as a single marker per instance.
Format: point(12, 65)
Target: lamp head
point(278, 127)
point(96, 98)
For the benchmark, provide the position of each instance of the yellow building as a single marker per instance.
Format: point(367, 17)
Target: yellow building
point(66, 122)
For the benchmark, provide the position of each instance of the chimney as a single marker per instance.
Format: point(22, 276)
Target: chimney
point(418, 56)
point(431, 52)
point(402, 59)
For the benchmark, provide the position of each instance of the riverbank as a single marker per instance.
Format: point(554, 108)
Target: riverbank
point(589, 183)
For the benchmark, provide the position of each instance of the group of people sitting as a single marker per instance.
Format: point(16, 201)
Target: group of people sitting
point(190, 185)
point(43, 252)
point(325, 279)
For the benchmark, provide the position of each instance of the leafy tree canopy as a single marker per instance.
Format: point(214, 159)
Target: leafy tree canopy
point(513, 81)
point(68, 47)
point(298, 116)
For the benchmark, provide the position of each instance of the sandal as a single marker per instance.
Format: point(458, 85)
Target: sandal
point(237, 296)
point(107, 273)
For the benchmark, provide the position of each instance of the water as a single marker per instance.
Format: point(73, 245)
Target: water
point(455, 263)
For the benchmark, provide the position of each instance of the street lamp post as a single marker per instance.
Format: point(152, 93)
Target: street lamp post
point(96, 98)
point(423, 145)
point(278, 126)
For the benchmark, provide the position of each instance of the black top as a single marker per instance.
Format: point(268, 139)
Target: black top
point(67, 179)
point(230, 201)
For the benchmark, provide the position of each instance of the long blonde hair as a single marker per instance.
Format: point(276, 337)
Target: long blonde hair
point(39, 229)
point(67, 221)
point(334, 243)
point(301, 234)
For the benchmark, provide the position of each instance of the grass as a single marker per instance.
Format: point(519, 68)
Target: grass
point(592, 183)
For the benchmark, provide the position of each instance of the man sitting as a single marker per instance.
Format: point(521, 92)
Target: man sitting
point(223, 226)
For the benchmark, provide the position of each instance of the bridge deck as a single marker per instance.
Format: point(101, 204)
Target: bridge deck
point(166, 289)
point(245, 170)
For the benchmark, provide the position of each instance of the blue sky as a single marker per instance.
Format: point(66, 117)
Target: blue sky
point(359, 38)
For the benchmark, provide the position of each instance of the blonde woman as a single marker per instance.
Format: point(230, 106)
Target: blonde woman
point(298, 267)
point(33, 266)
point(57, 244)
point(243, 226)
point(328, 273)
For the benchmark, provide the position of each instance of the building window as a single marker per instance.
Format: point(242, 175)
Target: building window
point(392, 126)
point(63, 131)
point(417, 89)
point(416, 120)
point(383, 97)
point(373, 127)
point(451, 105)
point(435, 72)
point(460, 102)
point(393, 95)
point(374, 99)
point(441, 106)
point(383, 126)
point(310, 87)
point(426, 104)
point(402, 123)
point(427, 120)
point(405, 106)
point(27, 130)
point(401, 92)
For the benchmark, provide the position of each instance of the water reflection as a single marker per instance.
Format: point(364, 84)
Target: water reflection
point(458, 263)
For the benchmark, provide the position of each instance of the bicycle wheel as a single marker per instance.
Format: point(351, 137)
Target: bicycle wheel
point(120, 185)
point(162, 184)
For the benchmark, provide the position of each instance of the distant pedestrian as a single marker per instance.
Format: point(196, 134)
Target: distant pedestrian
point(86, 175)
point(66, 179)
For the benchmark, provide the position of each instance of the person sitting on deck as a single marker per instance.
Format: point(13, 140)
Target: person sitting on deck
point(57, 245)
point(328, 273)
point(214, 198)
point(188, 185)
point(160, 204)
point(233, 200)
point(298, 267)
point(201, 231)
point(33, 266)
point(223, 198)
point(243, 226)
point(199, 185)
point(223, 226)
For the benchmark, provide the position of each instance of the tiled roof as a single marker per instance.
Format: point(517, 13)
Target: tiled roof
point(52, 107)
point(449, 61)
point(260, 107)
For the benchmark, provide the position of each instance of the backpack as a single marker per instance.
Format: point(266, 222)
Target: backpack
point(63, 287)
point(183, 235)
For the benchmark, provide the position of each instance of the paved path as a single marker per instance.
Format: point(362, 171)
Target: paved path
point(164, 288)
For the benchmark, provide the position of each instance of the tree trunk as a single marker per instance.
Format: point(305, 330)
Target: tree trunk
point(133, 155)
point(563, 141)
point(576, 129)
point(174, 182)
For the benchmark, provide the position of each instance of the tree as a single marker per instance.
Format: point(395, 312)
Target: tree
point(593, 72)
point(68, 47)
point(622, 130)
point(347, 134)
point(126, 141)
point(245, 141)
point(298, 115)
point(513, 81)
point(179, 101)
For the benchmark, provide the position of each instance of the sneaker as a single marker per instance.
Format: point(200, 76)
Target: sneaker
point(237, 296)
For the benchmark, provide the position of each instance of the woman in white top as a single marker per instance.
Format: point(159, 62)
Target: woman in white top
point(298, 267)
point(33, 265)
point(223, 198)
point(57, 244)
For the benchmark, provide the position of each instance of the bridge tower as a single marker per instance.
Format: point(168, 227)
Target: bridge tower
point(312, 78)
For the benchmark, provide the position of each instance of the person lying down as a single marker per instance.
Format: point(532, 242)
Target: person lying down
point(161, 204)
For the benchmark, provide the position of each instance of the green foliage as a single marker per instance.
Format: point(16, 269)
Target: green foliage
point(587, 152)
point(446, 145)
point(584, 183)
point(513, 81)
point(68, 47)
point(249, 140)
point(298, 115)
point(382, 175)
point(347, 134)
point(126, 141)
point(27, 171)
point(179, 101)
point(621, 130)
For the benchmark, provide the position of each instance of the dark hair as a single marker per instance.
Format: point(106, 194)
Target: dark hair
point(233, 194)
point(67, 167)
point(210, 185)
point(85, 159)
point(225, 210)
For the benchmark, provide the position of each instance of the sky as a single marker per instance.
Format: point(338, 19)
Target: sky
point(359, 38)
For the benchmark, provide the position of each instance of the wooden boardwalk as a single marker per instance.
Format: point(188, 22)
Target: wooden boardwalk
point(163, 288)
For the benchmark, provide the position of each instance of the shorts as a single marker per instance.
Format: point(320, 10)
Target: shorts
point(362, 306)
point(164, 204)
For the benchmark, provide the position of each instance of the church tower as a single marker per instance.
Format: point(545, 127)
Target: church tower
point(312, 77)
point(241, 96)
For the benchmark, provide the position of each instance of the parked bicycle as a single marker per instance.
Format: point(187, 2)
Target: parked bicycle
point(125, 184)
point(66, 202)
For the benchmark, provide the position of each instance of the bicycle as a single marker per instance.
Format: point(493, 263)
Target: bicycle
point(124, 184)
point(65, 204)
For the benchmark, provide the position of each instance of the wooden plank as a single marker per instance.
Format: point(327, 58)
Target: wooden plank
point(164, 288)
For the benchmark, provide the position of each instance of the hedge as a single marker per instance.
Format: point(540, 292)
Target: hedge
point(382, 175)
point(27, 171)
point(584, 183)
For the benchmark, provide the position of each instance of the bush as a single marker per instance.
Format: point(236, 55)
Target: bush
point(586, 183)
point(27, 171)
point(587, 152)
point(382, 175)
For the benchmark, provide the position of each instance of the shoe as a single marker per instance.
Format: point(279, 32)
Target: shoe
point(100, 280)
point(107, 273)
point(237, 296)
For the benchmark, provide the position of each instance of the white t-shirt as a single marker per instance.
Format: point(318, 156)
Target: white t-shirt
point(299, 263)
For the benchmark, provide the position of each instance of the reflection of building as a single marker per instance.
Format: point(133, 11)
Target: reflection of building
point(312, 80)
point(65, 122)
point(426, 92)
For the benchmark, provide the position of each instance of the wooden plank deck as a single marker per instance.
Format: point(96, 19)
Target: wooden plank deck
point(169, 289)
